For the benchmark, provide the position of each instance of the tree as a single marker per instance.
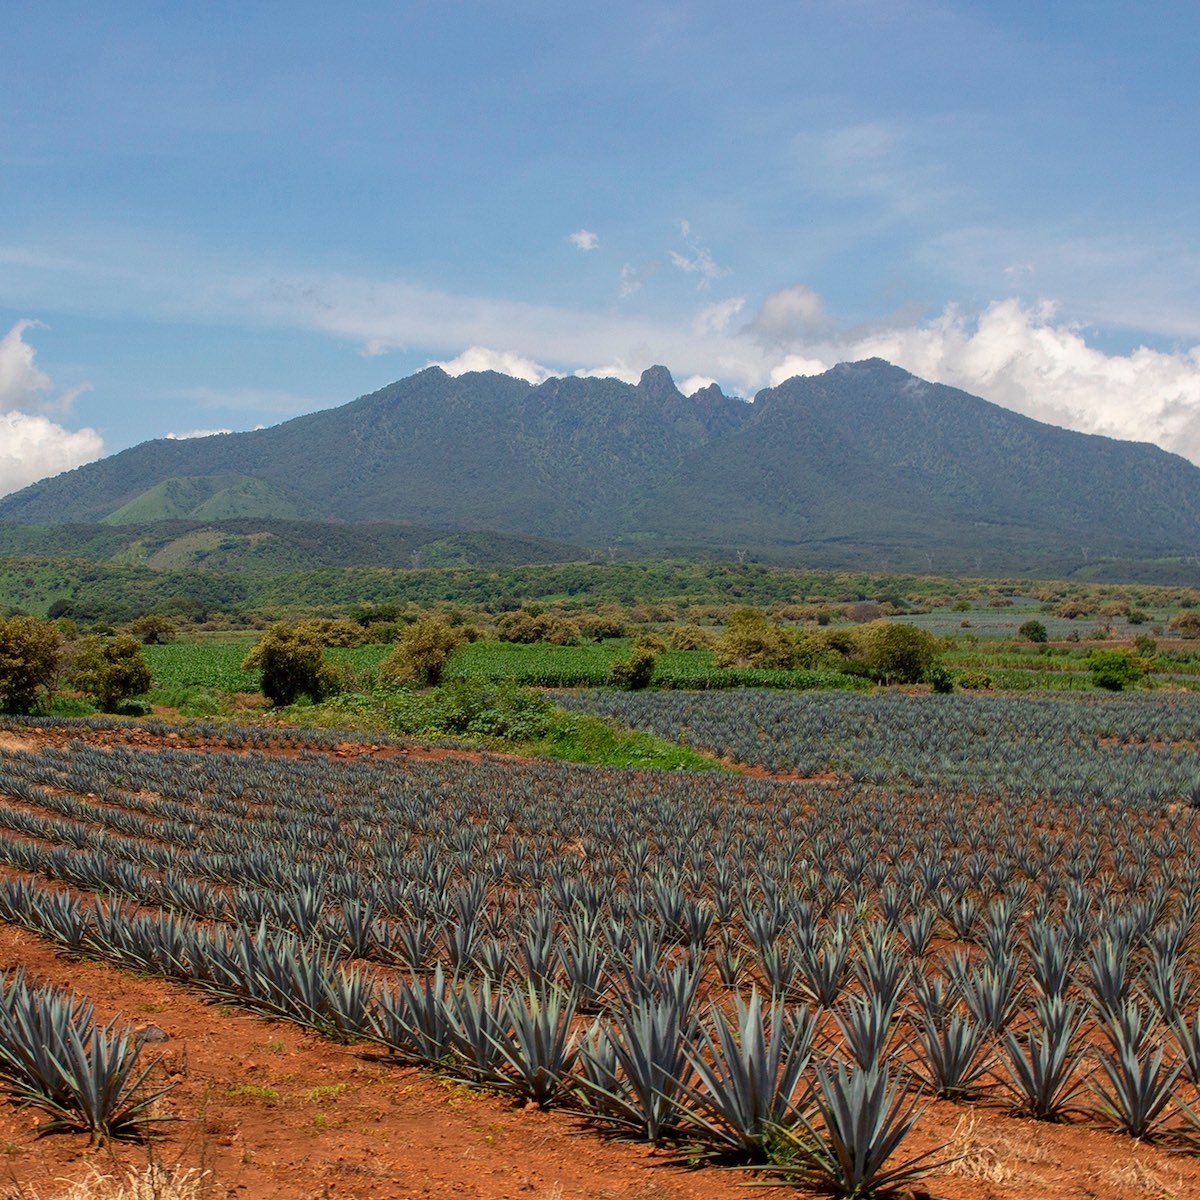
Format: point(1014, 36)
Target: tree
point(750, 640)
point(1114, 669)
point(1033, 631)
point(292, 665)
point(636, 671)
point(152, 629)
point(31, 659)
point(894, 652)
point(422, 651)
point(111, 670)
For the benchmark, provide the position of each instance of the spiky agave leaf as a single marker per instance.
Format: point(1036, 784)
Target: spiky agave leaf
point(863, 1116)
point(538, 1045)
point(633, 1069)
point(747, 1073)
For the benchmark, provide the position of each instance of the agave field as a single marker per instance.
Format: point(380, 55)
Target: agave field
point(1136, 748)
point(769, 972)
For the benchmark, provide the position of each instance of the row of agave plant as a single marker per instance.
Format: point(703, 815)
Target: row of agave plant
point(56, 1056)
point(821, 1088)
point(979, 948)
point(1138, 745)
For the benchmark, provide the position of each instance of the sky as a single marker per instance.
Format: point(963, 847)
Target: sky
point(217, 217)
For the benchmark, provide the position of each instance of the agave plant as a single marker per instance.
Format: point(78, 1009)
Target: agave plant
point(1042, 1062)
point(748, 1074)
point(88, 1077)
point(1140, 1086)
point(953, 1055)
point(633, 1068)
point(538, 1046)
point(862, 1117)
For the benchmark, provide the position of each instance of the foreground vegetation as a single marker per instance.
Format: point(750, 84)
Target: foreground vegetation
point(760, 972)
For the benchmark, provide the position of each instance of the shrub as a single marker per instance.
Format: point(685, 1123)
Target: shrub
point(290, 658)
point(31, 661)
point(152, 629)
point(1114, 669)
point(529, 626)
point(1186, 624)
point(750, 640)
point(636, 671)
point(940, 679)
point(1034, 631)
point(690, 637)
point(974, 680)
point(111, 670)
point(898, 653)
point(422, 651)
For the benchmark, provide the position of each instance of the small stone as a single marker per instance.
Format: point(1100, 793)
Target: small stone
point(152, 1033)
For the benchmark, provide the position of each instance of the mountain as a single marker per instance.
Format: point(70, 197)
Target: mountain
point(865, 465)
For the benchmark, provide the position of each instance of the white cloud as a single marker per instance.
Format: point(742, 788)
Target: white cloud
point(479, 358)
point(695, 383)
point(796, 364)
point(584, 239)
point(631, 281)
point(1021, 357)
point(33, 447)
point(791, 313)
point(195, 433)
point(714, 319)
point(618, 370)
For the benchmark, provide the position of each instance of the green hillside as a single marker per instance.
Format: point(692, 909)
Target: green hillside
point(865, 466)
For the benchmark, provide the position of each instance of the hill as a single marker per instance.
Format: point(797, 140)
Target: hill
point(863, 466)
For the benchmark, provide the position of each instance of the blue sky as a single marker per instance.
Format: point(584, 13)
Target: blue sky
point(219, 216)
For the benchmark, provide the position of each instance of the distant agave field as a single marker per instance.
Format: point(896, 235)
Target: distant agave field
point(1136, 748)
point(729, 962)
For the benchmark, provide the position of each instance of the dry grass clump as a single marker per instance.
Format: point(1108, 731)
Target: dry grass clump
point(152, 1182)
point(980, 1156)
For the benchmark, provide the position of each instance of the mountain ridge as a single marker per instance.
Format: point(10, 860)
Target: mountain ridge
point(863, 463)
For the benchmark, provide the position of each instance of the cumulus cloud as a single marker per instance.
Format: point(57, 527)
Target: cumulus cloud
point(1020, 356)
point(617, 370)
point(791, 313)
point(695, 383)
point(31, 445)
point(796, 364)
point(479, 358)
point(189, 434)
point(584, 239)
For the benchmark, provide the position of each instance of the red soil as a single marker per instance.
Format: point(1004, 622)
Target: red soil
point(272, 1111)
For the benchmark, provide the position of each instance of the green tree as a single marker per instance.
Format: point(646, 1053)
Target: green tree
point(750, 640)
point(31, 662)
point(1114, 669)
point(894, 652)
point(422, 651)
point(292, 665)
point(636, 671)
point(1034, 631)
point(111, 670)
point(153, 629)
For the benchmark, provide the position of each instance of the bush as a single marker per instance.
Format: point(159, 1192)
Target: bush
point(1186, 624)
point(750, 640)
point(111, 670)
point(940, 679)
point(422, 651)
point(634, 672)
point(1114, 670)
point(690, 637)
point(898, 653)
point(152, 629)
point(974, 680)
point(31, 662)
point(1034, 631)
point(529, 626)
point(292, 664)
